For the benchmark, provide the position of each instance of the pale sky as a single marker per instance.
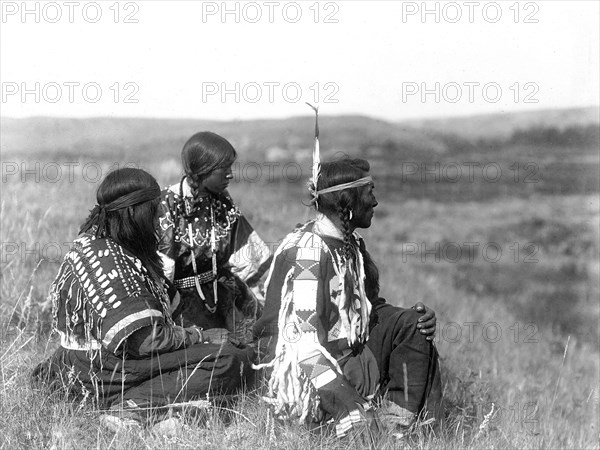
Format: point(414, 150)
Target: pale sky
point(375, 60)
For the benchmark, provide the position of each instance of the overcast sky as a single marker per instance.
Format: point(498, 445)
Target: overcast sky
point(265, 59)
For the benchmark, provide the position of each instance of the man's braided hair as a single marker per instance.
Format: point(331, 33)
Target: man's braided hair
point(341, 203)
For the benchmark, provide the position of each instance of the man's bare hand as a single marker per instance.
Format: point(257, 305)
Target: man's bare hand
point(427, 322)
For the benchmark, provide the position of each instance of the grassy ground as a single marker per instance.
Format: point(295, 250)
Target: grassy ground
point(504, 322)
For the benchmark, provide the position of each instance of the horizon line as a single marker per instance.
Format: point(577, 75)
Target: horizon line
point(414, 119)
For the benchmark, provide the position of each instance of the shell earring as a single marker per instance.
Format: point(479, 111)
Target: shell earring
point(350, 215)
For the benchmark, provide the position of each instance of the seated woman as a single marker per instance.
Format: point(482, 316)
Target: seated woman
point(112, 308)
point(335, 342)
point(208, 248)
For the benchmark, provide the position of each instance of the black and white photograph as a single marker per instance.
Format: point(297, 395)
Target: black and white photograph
point(300, 224)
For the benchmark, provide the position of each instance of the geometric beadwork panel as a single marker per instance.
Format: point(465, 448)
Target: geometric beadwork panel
point(306, 270)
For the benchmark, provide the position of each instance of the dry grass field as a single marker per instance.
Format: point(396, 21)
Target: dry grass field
point(513, 278)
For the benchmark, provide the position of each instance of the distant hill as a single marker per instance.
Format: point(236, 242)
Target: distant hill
point(263, 139)
point(137, 139)
point(557, 149)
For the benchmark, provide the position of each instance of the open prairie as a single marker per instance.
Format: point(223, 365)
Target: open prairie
point(498, 234)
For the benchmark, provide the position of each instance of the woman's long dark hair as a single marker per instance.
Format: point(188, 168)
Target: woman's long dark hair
point(131, 227)
point(202, 154)
point(340, 203)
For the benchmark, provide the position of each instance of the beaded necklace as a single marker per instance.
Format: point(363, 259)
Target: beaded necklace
point(213, 235)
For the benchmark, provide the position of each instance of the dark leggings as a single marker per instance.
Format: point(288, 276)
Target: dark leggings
point(408, 363)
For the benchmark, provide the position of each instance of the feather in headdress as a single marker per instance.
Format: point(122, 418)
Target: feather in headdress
point(316, 165)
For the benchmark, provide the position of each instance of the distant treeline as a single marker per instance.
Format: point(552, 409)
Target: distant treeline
point(544, 160)
point(529, 157)
point(576, 136)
